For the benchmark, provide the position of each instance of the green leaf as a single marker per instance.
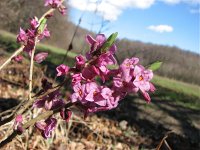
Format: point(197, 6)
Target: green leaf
point(155, 66)
point(42, 25)
point(111, 67)
point(109, 42)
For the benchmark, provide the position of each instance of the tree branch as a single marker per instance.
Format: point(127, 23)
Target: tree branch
point(31, 69)
point(44, 115)
point(11, 57)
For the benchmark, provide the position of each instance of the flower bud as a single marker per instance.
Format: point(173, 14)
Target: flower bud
point(40, 57)
point(66, 114)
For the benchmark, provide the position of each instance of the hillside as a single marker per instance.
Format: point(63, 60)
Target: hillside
point(177, 63)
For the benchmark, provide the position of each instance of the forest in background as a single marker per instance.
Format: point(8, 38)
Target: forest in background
point(177, 63)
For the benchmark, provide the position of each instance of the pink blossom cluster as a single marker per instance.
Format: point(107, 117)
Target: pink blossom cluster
point(96, 86)
point(46, 126)
point(34, 34)
point(56, 4)
point(89, 94)
point(28, 39)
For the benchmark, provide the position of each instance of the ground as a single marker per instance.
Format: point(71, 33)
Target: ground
point(133, 125)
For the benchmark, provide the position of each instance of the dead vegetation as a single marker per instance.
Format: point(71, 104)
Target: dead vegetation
point(133, 125)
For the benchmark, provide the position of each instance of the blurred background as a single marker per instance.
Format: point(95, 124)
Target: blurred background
point(152, 30)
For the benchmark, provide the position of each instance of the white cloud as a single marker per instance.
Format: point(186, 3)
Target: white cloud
point(172, 1)
point(181, 1)
point(111, 9)
point(161, 28)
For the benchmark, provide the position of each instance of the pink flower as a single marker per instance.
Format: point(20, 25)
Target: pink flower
point(142, 78)
point(18, 123)
point(76, 78)
point(91, 92)
point(46, 127)
point(62, 9)
point(84, 93)
point(62, 70)
point(18, 58)
point(132, 78)
point(44, 34)
point(29, 46)
point(90, 72)
point(80, 62)
point(54, 103)
point(96, 44)
point(102, 62)
point(107, 97)
point(31, 33)
point(126, 67)
point(66, 114)
point(40, 57)
point(92, 97)
point(123, 81)
point(34, 23)
point(53, 3)
point(103, 100)
point(146, 96)
point(141, 81)
point(152, 88)
point(123, 86)
point(22, 37)
point(50, 101)
point(79, 93)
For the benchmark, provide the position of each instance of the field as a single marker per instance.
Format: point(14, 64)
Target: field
point(175, 107)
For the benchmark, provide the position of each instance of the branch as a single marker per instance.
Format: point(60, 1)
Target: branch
point(70, 46)
point(32, 122)
point(163, 141)
point(25, 104)
point(11, 57)
point(31, 69)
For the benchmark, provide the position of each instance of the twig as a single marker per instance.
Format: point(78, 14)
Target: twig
point(18, 51)
point(70, 46)
point(48, 12)
point(32, 122)
point(25, 104)
point(31, 69)
point(167, 145)
point(163, 141)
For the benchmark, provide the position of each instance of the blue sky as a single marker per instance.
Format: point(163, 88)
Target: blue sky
point(166, 22)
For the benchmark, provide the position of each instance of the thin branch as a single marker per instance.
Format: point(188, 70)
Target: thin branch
point(167, 145)
point(25, 104)
point(44, 115)
point(31, 69)
point(17, 52)
point(70, 46)
point(163, 140)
